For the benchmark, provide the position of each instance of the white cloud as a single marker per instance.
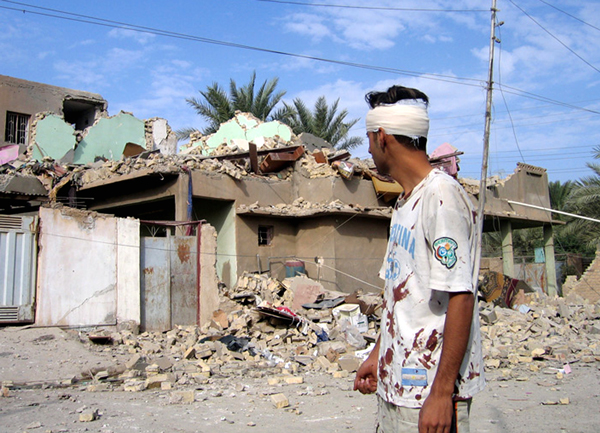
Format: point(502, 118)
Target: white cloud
point(308, 25)
point(138, 36)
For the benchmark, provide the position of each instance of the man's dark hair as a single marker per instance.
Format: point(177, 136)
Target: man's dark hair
point(393, 95)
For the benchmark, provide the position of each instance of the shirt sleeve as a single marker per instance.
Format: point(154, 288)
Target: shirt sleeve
point(449, 231)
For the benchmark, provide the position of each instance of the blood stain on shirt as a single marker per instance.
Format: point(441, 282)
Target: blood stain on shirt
point(400, 292)
point(416, 201)
point(432, 341)
point(416, 344)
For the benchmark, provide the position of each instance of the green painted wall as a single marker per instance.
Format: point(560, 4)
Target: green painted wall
point(246, 127)
point(108, 138)
point(54, 138)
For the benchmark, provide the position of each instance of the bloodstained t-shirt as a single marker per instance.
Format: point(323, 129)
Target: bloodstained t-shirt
point(430, 254)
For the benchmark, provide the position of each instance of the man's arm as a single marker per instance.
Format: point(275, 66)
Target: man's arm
point(436, 413)
point(366, 376)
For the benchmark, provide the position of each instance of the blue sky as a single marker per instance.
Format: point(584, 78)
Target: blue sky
point(547, 64)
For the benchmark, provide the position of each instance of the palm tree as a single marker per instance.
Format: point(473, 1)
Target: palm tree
point(217, 106)
point(324, 122)
point(585, 200)
point(559, 193)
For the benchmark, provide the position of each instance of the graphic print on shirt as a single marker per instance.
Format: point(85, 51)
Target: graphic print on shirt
point(403, 237)
point(445, 251)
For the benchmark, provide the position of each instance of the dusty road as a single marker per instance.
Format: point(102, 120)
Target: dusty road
point(36, 360)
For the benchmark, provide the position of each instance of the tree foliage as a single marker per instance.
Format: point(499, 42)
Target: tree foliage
point(324, 121)
point(584, 200)
point(217, 106)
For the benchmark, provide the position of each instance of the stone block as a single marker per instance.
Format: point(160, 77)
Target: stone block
point(190, 353)
point(156, 380)
point(134, 385)
point(488, 316)
point(349, 363)
point(88, 416)
point(280, 401)
point(294, 380)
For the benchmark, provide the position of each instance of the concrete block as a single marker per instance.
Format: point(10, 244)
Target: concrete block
point(488, 316)
point(280, 401)
point(134, 385)
point(88, 416)
point(295, 380)
point(349, 363)
point(190, 353)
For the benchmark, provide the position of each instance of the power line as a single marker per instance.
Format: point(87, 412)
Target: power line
point(376, 8)
point(86, 19)
point(572, 16)
point(554, 37)
point(525, 94)
point(150, 30)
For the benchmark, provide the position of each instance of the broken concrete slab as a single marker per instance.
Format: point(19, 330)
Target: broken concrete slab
point(53, 138)
point(108, 137)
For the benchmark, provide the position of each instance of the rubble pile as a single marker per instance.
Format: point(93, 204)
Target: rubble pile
point(261, 330)
point(51, 172)
point(254, 334)
point(540, 334)
point(301, 206)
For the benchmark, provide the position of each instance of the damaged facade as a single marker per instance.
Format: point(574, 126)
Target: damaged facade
point(276, 201)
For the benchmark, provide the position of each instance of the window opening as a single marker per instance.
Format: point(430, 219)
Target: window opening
point(16, 128)
point(80, 114)
point(265, 235)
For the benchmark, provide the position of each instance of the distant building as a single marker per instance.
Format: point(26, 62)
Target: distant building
point(21, 100)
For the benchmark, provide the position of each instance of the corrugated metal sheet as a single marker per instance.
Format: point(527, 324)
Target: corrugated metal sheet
point(18, 256)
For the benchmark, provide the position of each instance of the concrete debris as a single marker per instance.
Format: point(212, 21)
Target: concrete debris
point(280, 401)
point(225, 159)
point(302, 207)
point(554, 332)
point(256, 333)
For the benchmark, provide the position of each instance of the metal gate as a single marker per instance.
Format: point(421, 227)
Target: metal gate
point(18, 256)
point(169, 280)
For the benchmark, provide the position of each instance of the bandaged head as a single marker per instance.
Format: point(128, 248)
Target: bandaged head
point(410, 120)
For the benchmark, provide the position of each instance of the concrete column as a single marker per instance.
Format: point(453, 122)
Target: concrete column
point(181, 200)
point(550, 260)
point(508, 258)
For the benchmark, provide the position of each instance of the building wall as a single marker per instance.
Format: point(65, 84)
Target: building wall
point(360, 245)
point(273, 256)
point(529, 185)
point(87, 265)
point(30, 98)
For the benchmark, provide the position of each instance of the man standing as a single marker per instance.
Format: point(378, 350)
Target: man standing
point(427, 363)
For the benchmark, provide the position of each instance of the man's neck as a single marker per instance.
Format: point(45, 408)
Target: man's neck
point(410, 172)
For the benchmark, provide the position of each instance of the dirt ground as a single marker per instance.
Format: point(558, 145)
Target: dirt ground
point(36, 360)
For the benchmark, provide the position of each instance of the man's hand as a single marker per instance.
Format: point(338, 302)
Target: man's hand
point(366, 376)
point(436, 415)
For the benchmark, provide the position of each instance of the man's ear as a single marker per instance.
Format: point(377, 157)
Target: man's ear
point(381, 137)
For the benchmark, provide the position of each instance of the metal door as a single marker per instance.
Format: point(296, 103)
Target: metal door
point(169, 283)
point(18, 255)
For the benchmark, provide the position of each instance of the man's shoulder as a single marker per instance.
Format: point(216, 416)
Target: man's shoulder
point(445, 182)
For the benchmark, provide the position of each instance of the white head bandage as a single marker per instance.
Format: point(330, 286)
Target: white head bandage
point(399, 119)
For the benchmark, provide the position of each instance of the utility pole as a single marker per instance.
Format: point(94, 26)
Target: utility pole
point(486, 147)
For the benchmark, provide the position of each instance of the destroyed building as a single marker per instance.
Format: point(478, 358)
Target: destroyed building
point(278, 203)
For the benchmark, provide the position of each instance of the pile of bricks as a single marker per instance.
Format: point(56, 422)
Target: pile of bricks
point(239, 341)
point(544, 332)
